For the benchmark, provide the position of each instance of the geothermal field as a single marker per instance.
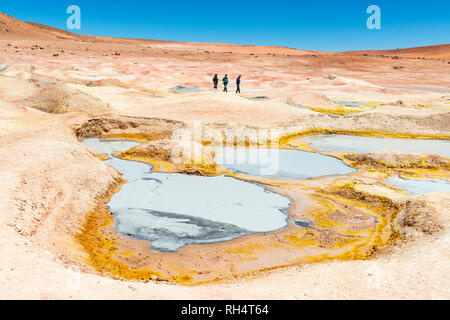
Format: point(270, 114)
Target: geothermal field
point(125, 175)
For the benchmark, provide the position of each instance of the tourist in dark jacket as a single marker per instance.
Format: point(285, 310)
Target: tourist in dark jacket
point(225, 83)
point(215, 81)
point(238, 84)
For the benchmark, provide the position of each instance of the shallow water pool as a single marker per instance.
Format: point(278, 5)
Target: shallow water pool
point(352, 103)
point(185, 89)
point(419, 186)
point(280, 163)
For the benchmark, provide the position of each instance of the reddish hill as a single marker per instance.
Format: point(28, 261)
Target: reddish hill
point(14, 29)
point(437, 52)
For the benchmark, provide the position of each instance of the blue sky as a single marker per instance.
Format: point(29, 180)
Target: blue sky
point(312, 25)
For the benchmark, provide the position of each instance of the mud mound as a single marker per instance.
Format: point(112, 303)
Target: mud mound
point(412, 219)
point(417, 218)
point(108, 83)
point(128, 127)
point(399, 160)
point(14, 88)
point(169, 150)
point(157, 150)
point(60, 99)
point(312, 99)
point(279, 84)
point(176, 156)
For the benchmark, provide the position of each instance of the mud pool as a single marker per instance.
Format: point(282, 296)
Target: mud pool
point(173, 210)
point(352, 103)
point(362, 144)
point(419, 186)
point(259, 98)
point(185, 89)
point(279, 163)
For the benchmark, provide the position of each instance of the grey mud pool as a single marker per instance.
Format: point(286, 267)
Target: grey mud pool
point(280, 163)
point(172, 210)
point(362, 144)
point(419, 186)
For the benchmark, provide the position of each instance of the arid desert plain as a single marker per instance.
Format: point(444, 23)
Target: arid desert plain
point(345, 235)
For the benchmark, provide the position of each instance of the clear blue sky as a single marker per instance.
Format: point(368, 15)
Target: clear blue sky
point(314, 24)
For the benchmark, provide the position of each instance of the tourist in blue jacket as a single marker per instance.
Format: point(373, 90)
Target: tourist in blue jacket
point(225, 83)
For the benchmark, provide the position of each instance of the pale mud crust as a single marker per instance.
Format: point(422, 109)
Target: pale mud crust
point(49, 187)
point(60, 99)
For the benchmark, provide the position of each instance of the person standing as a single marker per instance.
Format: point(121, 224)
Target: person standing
point(225, 83)
point(215, 81)
point(238, 84)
